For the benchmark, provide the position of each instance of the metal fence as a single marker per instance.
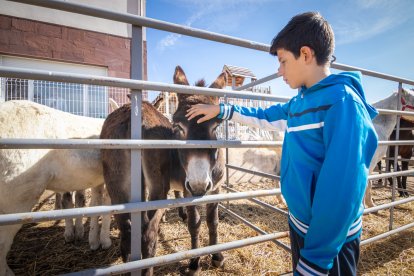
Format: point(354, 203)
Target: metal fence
point(136, 85)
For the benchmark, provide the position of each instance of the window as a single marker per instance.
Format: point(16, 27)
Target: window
point(79, 99)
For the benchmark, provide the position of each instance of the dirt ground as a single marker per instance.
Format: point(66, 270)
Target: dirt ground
point(39, 248)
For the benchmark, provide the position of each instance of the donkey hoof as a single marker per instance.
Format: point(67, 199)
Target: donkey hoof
point(192, 272)
point(217, 261)
point(93, 245)
point(79, 233)
point(69, 236)
point(184, 218)
point(106, 243)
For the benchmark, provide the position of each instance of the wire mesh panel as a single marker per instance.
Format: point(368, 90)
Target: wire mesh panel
point(15, 89)
point(78, 99)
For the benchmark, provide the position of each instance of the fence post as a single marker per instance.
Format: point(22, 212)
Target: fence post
point(137, 72)
point(397, 137)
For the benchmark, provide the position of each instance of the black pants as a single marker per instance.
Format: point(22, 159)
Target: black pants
point(343, 265)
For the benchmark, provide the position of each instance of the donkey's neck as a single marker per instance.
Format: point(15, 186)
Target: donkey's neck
point(390, 102)
point(385, 123)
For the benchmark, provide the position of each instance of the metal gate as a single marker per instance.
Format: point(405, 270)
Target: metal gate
point(137, 85)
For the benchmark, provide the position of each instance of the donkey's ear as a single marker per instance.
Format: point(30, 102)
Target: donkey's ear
point(179, 76)
point(220, 82)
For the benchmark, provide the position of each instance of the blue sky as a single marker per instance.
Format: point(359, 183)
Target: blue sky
point(376, 35)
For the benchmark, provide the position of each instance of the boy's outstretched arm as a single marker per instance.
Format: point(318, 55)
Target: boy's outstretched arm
point(209, 111)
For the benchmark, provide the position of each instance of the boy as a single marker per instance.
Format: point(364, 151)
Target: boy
point(328, 146)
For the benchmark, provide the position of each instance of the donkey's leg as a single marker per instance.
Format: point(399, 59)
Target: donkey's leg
point(194, 223)
point(117, 174)
point(119, 196)
point(212, 223)
point(67, 203)
point(100, 236)
point(404, 165)
point(379, 166)
point(79, 203)
point(390, 165)
point(368, 197)
point(156, 180)
point(181, 210)
point(124, 224)
point(58, 201)
point(17, 196)
point(105, 236)
point(7, 234)
point(96, 199)
point(149, 239)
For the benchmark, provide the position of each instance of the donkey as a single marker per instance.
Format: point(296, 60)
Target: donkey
point(384, 125)
point(26, 173)
point(196, 172)
point(405, 151)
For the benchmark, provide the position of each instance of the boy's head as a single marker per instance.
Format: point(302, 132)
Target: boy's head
point(306, 29)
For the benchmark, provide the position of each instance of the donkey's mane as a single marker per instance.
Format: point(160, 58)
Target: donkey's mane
point(200, 83)
point(187, 100)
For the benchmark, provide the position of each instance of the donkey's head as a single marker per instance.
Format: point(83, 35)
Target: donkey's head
point(407, 103)
point(203, 167)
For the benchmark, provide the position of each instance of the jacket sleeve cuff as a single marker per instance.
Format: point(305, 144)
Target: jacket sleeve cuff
point(306, 268)
point(226, 111)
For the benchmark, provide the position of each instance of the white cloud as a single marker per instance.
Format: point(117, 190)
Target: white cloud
point(218, 15)
point(361, 20)
point(168, 41)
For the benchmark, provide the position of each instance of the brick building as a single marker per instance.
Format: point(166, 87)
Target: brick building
point(38, 38)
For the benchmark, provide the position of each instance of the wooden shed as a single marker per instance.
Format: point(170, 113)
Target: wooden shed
point(236, 75)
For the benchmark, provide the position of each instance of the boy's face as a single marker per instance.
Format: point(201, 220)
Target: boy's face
point(290, 68)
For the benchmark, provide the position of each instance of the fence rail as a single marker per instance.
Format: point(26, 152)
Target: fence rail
point(140, 144)
point(28, 217)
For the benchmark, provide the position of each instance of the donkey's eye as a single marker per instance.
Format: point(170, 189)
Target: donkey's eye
point(216, 154)
point(178, 128)
point(214, 129)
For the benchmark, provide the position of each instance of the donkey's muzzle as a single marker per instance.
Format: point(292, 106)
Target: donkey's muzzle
point(198, 189)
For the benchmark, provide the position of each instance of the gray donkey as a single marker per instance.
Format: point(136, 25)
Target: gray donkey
point(196, 172)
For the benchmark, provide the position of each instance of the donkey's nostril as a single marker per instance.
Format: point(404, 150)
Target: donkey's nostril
point(209, 186)
point(187, 186)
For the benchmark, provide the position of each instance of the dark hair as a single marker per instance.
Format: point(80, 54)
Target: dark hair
point(306, 29)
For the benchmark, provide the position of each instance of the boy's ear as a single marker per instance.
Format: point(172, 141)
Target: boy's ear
point(307, 53)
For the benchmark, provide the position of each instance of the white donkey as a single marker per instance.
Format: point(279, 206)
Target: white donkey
point(26, 173)
point(384, 125)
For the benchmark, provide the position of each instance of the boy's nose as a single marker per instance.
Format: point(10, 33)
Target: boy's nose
point(279, 74)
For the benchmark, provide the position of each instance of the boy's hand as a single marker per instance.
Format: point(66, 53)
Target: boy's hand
point(208, 110)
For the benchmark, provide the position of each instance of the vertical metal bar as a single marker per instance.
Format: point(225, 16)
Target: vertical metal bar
point(397, 137)
point(85, 109)
point(387, 166)
point(2, 89)
point(30, 90)
point(167, 104)
point(136, 125)
point(226, 129)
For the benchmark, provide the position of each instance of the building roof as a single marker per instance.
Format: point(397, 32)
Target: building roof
point(237, 71)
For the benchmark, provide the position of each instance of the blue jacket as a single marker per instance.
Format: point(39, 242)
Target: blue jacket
point(328, 146)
